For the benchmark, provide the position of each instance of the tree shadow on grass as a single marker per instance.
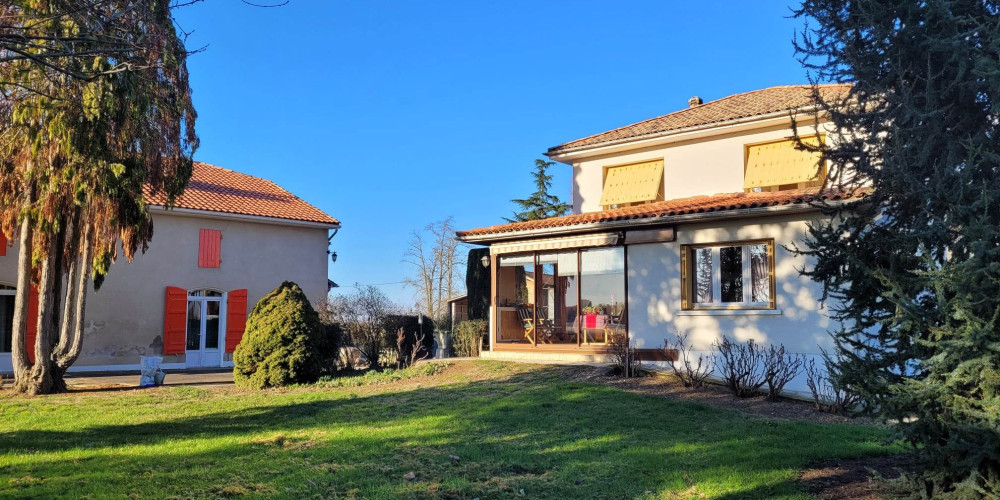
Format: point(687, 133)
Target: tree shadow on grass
point(530, 431)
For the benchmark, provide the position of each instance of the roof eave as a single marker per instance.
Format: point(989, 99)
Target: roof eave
point(208, 214)
point(718, 215)
point(565, 155)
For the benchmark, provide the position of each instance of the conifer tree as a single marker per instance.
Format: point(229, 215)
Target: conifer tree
point(912, 270)
point(541, 204)
point(95, 108)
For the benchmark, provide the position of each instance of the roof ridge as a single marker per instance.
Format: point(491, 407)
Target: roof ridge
point(696, 107)
point(242, 193)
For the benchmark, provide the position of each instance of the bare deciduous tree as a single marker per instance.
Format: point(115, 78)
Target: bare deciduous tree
point(435, 257)
point(364, 316)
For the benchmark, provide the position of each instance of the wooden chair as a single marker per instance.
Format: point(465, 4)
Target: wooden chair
point(614, 326)
point(545, 326)
point(527, 322)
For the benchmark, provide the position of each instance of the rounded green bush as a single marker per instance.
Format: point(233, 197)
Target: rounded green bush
point(281, 345)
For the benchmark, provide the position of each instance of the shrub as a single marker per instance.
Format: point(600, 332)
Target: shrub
point(829, 395)
point(364, 315)
point(742, 366)
point(282, 343)
point(690, 372)
point(624, 358)
point(468, 336)
point(780, 368)
point(331, 341)
point(411, 329)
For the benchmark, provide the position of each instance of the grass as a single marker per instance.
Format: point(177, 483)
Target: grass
point(518, 430)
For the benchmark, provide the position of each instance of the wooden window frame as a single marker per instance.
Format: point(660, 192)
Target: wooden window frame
point(687, 277)
point(660, 194)
point(785, 187)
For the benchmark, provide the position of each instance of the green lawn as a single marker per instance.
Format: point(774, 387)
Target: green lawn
point(514, 427)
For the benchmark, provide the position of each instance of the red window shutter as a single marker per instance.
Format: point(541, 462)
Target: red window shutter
point(175, 321)
point(210, 248)
point(236, 318)
point(3, 245)
point(31, 332)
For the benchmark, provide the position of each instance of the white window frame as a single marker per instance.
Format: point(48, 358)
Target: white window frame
point(717, 302)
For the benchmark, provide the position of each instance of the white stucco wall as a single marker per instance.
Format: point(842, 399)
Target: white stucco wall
point(654, 287)
point(691, 167)
point(125, 317)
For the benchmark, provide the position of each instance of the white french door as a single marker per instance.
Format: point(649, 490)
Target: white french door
point(204, 331)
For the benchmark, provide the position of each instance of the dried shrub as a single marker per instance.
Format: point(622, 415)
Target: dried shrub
point(415, 331)
point(468, 337)
point(780, 367)
point(829, 395)
point(742, 366)
point(692, 372)
point(624, 358)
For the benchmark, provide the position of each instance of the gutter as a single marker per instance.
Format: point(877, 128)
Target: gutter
point(742, 213)
point(206, 214)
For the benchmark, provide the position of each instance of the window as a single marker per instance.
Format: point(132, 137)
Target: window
point(602, 293)
point(738, 275)
point(569, 297)
point(632, 184)
point(6, 317)
point(210, 248)
point(779, 166)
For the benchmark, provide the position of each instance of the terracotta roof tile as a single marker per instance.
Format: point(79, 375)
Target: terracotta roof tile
point(216, 189)
point(734, 107)
point(680, 206)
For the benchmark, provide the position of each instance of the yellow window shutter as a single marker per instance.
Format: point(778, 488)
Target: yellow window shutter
point(778, 163)
point(633, 183)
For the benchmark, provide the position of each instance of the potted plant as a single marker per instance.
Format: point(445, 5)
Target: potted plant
point(593, 317)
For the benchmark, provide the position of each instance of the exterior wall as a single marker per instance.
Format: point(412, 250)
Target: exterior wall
point(125, 318)
point(654, 288)
point(707, 165)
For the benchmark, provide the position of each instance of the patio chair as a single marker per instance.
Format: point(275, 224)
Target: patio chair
point(614, 326)
point(527, 322)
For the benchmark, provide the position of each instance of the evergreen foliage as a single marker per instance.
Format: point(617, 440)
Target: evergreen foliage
point(541, 204)
point(477, 284)
point(282, 343)
point(468, 337)
point(95, 110)
point(913, 270)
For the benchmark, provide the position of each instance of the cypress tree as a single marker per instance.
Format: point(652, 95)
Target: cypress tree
point(477, 284)
point(913, 270)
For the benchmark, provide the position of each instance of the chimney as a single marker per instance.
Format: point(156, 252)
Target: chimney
point(694, 101)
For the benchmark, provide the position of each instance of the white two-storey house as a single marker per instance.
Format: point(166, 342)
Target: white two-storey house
point(679, 226)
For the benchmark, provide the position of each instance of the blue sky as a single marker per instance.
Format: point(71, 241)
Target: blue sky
point(392, 115)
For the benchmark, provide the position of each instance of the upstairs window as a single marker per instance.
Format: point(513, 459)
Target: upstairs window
point(779, 166)
point(210, 248)
point(632, 184)
point(733, 275)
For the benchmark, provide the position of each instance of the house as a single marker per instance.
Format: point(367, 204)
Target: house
point(680, 226)
point(458, 307)
point(230, 239)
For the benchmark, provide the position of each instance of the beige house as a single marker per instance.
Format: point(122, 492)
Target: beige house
point(679, 227)
point(231, 239)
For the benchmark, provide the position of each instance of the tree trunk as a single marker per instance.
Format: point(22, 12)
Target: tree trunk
point(40, 381)
point(19, 349)
point(66, 356)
